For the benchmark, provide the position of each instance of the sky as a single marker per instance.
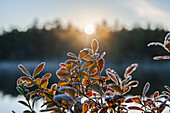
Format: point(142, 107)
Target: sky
point(127, 13)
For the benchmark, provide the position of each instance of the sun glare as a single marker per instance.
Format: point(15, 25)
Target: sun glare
point(89, 29)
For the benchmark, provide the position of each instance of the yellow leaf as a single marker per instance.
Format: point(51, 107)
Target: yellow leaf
point(88, 57)
point(85, 107)
point(44, 83)
point(95, 46)
point(38, 69)
point(38, 80)
point(62, 83)
point(86, 64)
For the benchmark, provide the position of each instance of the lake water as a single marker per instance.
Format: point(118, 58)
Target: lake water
point(157, 73)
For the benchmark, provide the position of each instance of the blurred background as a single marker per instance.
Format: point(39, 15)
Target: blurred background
point(35, 31)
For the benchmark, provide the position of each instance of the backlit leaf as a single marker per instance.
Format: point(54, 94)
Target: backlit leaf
point(47, 76)
point(68, 67)
point(112, 76)
point(38, 80)
point(95, 46)
point(88, 57)
point(145, 89)
point(69, 61)
point(126, 89)
point(92, 67)
point(44, 83)
point(129, 100)
point(94, 76)
point(86, 64)
point(161, 57)
point(71, 55)
point(85, 107)
point(54, 87)
point(56, 109)
point(135, 108)
point(24, 70)
point(62, 73)
point(62, 64)
point(62, 83)
point(100, 65)
point(104, 110)
point(25, 78)
point(115, 88)
point(83, 53)
point(130, 69)
point(38, 69)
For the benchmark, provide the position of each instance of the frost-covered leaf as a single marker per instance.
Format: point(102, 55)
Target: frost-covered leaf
point(112, 76)
point(65, 97)
point(88, 57)
point(115, 88)
point(62, 73)
point(62, 83)
point(94, 76)
point(83, 53)
point(133, 83)
point(69, 90)
point(130, 69)
point(167, 87)
point(145, 89)
point(135, 108)
point(86, 64)
point(95, 46)
point(92, 67)
point(23, 103)
point(38, 69)
point(71, 55)
point(24, 70)
point(100, 65)
point(46, 76)
point(137, 100)
point(156, 94)
point(161, 57)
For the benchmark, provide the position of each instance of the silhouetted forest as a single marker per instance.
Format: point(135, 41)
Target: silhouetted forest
point(54, 43)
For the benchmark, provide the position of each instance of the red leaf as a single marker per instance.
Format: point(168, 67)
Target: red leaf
point(135, 108)
point(24, 70)
point(130, 69)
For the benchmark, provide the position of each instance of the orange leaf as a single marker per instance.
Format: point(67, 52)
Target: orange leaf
point(115, 88)
point(54, 87)
point(44, 83)
point(69, 61)
point(47, 76)
point(62, 83)
point(83, 53)
point(25, 78)
point(86, 64)
point(130, 69)
point(62, 73)
point(71, 55)
point(92, 67)
point(88, 57)
point(137, 100)
point(126, 89)
point(100, 65)
point(85, 107)
point(94, 76)
point(62, 64)
point(38, 69)
point(24, 70)
point(68, 67)
point(104, 110)
point(95, 46)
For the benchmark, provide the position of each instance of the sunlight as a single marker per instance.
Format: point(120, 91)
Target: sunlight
point(89, 29)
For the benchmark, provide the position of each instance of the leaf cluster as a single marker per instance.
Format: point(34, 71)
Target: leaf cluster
point(83, 88)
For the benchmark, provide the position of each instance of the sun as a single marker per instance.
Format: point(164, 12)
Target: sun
point(89, 29)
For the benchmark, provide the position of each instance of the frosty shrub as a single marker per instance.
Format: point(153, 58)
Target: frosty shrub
point(82, 87)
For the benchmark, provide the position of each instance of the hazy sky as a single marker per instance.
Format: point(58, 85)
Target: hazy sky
point(21, 13)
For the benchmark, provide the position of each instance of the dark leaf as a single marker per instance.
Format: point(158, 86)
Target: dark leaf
point(115, 88)
point(23, 103)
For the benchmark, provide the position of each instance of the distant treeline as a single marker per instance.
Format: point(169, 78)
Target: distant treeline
point(120, 45)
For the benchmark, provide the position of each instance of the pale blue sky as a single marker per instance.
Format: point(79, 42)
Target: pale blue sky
point(21, 13)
